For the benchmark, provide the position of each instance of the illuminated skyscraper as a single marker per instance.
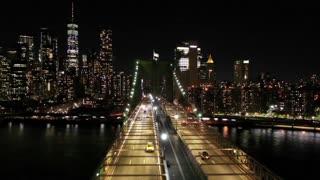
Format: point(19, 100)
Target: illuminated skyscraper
point(72, 63)
point(211, 78)
point(4, 75)
point(241, 71)
point(18, 80)
point(121, 85)
point(95, 81)
point(30, 61)
point(105, 57)
point(48, 58)
point(73, 44)
point(85, 75)
point(188, 57)
point(203, 74)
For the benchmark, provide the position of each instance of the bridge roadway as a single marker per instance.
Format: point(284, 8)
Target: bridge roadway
point(226, 161)
point(127, 158)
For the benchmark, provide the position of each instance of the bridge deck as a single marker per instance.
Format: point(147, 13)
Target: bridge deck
point(128, 158)
point(226, 160)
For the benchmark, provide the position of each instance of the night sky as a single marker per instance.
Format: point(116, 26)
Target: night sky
point(280, 38)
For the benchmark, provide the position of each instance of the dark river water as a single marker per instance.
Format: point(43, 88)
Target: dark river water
point(75, 151)
point(52, 152)
point(290, 154)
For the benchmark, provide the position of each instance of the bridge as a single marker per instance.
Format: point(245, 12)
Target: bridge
point(129, 157)
point(138, 152)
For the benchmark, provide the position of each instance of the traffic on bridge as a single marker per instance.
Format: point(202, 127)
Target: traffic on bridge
point(216, 156)
point(136, 153)
point(194, 149)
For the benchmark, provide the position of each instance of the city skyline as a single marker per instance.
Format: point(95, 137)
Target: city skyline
point(271, 35)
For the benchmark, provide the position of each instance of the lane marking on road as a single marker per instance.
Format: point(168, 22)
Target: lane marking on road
point(121, 147)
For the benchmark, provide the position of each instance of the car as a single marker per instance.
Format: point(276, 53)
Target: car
point(196, 123)
point(204, 155)
point(184, 123)
point(150, 147)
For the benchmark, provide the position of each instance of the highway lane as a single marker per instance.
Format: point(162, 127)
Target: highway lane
point(223, 163)
point(128, 158)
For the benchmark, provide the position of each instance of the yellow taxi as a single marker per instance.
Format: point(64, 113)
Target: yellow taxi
point(150, 147)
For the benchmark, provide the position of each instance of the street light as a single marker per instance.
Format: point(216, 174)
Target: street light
point(164, 136)
point(176, 117)
point(200, 116)
point(155, 110)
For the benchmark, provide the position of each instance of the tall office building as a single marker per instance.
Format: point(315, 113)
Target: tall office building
point(30, 43)
point(95, 81)
point(73, 44)
point(85, 75)
point(61, 86)
point(211, 73)
point(105, 57)
point(203, 74)
point(72, 63)
point(4, 75)
point(187, 58)
point(30, 60)
point(49, 59)
point(18, 80)
point(121, 85)
point(241, 71)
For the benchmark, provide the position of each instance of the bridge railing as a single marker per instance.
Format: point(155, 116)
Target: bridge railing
point(111, 150)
